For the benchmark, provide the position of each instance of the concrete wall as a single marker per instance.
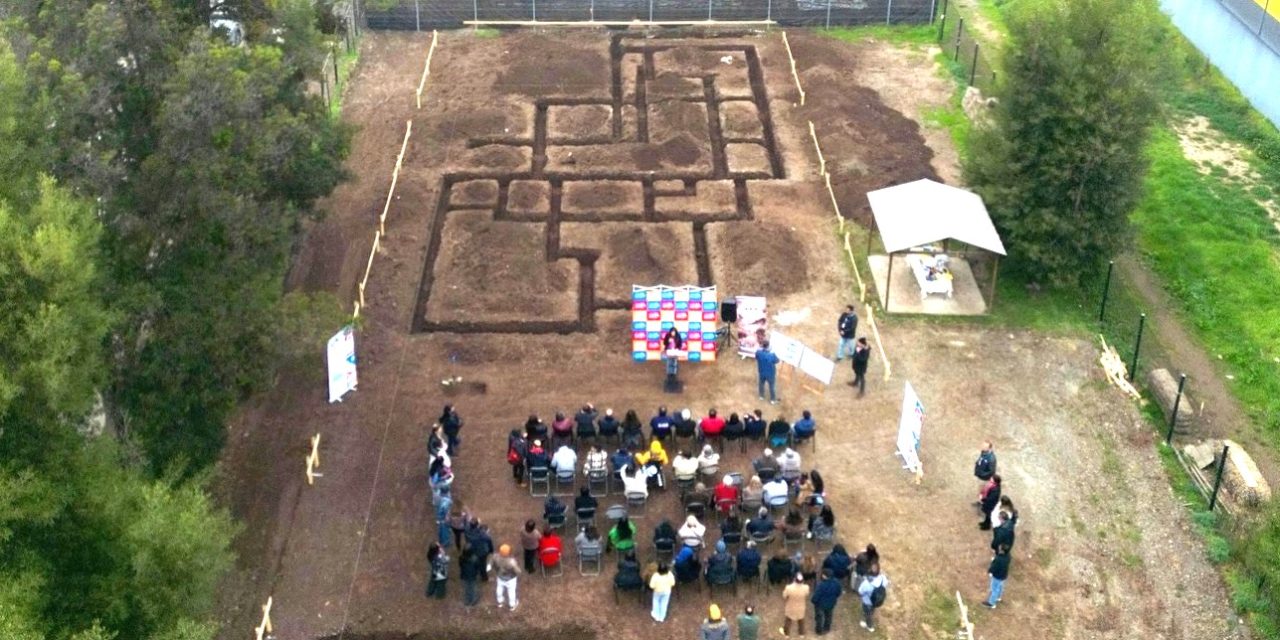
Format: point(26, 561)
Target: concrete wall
point(1233, 48)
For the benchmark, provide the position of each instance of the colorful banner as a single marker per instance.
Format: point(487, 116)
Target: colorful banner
point(910, 426)
point(693, 311)
point(752, 325)
point(342, 363)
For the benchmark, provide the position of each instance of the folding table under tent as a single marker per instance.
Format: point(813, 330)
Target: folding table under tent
point(912, 219)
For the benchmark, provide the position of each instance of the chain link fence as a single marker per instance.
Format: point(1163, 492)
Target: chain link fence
point(446, 14)
point(1259, 16)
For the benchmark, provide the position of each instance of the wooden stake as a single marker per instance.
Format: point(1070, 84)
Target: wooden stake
point(426, 68)
point(862, 287)
point(822, 162)
point(395, 177)
point(794, 74)
point(966, 627)
point(265, 627)
point(313, 460)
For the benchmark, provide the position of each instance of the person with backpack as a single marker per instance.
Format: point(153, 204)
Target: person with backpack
point(873, 589)
point(863, 561)
point(989, 499)
point(999, 572)
point(824, 601)
point(985, 466)
point(517, 449)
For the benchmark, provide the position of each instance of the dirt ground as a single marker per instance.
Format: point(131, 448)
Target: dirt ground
point(1104, 550)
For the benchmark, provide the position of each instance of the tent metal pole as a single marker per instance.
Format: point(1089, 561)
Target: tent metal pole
point(888, 284)
point(870, 234)
point(995, 273)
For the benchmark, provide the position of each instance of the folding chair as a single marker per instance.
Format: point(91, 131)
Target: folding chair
point(798, 441)
point(539, 476)
point(749, 506)
point(791, 476)
point(685, 484)
point(615, 513)
point(564, 483)
point(556, 521)
point(732, 541)
point(756, 578)
point(696, 508)
point(598, 480)
point(591, 557)
point(731, 581)
point(763, 541)
point(585, 516)
point(725, 507)
point(664, 548)
point(639, 589)
point(778, 503)
point(551, 560)
point(827, 537)
point(636, 502)
point(793, 539)
point(710, 472)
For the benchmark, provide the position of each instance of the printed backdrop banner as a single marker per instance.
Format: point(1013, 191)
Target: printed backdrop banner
point(752, 325)
point(693, 311)
point(909, 428)
point(342, 363)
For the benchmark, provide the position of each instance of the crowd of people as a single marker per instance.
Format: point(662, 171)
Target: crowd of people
point(999, 517)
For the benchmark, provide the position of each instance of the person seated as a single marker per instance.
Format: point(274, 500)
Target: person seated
point(766, 466)
point(776, 492)
point(653, 459)
point(608, 425)
point(628, 577)
point(726, 493)
point(804, 491)
point(708, 461)
point(535, 428)
point(838, 562)
point(565, 461)
point(711, 426)
point(622, 536)
point(597, 462)
point(753, 493)
point(588, 541)
point(693, 533)
point(634, 481)
point(761, 526)
point(687, 566)
point(698, 495)
point(619, 461)
point(550, 548)
point(553, 509)
point(789, 463)
point(805, 427)
point(585, 422)
point(779, 432)
point(561, 427)
point(806, 565)
point(733, 428)
point(794, 525)
point(781, 569)
point(661, 426)
point(822, 525)
point(664, 534)
point(538, 457)
point(684, 466)
point(685, 426)
point(731, 530)
point(720, 566)
point(749, 560)
point(819, 488)
point(632, 431)
point(753, 424)
point(585, 502)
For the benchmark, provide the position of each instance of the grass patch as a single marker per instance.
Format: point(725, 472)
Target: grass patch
point(485, 33)
point(922, 34)
point(346, 63)
point(940, 611)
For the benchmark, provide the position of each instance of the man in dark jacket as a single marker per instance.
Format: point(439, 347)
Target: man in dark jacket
point(838, 562)
point(720, 566)
point(478, 538)
point(471, 569)
point(451, 422)
point(999, 572)
point(990, 500)
point(661, 425)
point(824, 602)
point(585, 423)
point(1003, 535)
point(781, 568)
point(767, 372)
point(847, 327)
point(861, 356)
point(749, 562)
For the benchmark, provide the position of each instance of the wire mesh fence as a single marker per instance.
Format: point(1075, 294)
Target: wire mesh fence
point(956, 40)
point(1259, 16)
point(445, 14)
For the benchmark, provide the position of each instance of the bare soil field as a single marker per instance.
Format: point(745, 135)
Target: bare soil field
point(547, 172)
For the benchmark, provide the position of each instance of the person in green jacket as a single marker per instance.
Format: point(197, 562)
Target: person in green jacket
point(622, 536)
point(748, 624)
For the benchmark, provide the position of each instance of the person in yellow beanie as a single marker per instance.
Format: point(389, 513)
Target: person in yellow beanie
point(714, 627)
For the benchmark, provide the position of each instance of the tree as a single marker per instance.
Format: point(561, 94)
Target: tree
point(1061, 164)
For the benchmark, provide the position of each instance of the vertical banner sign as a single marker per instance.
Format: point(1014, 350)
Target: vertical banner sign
point(752, 325)
point(342, 363)
point(909, 428)
point(691, 310)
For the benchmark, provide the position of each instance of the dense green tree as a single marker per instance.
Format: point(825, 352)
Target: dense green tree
point(1061, 164)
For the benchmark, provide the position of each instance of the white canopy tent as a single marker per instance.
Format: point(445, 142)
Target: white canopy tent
point(924, 212)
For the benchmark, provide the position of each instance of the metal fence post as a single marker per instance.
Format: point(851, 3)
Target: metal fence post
point(475, 12)
point(1137, 346)
point(417, 16)
point(1177, 401)
point(709, 10)
point(973, 70)
point(888, 13)
point(942, 22)
point(650, 11)
point(333, 52)
point(1217, 480)
point(933, 10)
point(1106, 289)
point(593, 10)
point(959, 33)
point(534, 4)
point(828, 14)
point(768, 10)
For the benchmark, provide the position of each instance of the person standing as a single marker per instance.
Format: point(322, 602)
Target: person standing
point(985, 466)
point(748, 624)
point(672, 344)
point(824, 601)
point(999, 572)
point(861, 356)
point(989, 499)
point(508, 572)
point(873, 589)
point(714, 627)
point(451, 423)
point(437, 570)
point(517, 451)
point(470, 567)
point(1004, 534)
point(847, 327)
point(661, 583)
point(767, 372)
point(795, 599)
point(530, 537)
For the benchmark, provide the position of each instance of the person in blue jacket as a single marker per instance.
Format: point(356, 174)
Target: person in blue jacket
point(767, 368)
point(824, 602)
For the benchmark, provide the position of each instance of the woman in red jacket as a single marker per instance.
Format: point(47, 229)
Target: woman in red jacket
point(550, 548)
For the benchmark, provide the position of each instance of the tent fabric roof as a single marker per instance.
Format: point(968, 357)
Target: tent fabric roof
point(923, 212)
